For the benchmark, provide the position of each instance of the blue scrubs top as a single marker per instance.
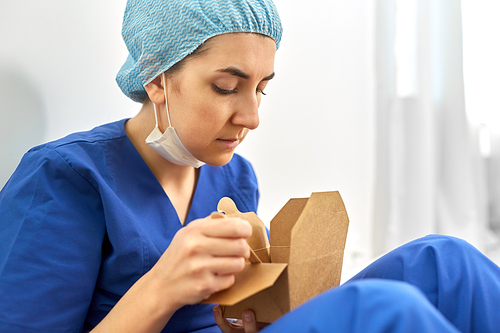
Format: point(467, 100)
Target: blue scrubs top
point(83, 218)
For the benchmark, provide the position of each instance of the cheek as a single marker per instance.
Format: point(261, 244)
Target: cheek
point(200, 120)
point(211, 114)
point(198, 112)
point(188, 111)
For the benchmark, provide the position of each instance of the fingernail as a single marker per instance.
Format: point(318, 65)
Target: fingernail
point(216, 311)
point(247, 317)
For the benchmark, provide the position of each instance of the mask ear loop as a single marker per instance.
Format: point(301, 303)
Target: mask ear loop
point(166, 101)
point(156, 117)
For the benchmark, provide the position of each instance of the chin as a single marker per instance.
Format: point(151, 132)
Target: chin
point(219, 160)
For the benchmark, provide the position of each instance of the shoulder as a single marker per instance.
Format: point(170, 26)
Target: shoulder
point(82, 149)
point(97, 135)
point(83, 155)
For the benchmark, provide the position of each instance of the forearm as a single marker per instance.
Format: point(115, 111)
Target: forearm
point(144, 308)
point(201, 259)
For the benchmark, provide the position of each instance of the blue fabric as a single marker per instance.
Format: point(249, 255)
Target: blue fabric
point(83, 218)
point(160, 33)
point(370, 305)
point(433, 284)
point(462, 283)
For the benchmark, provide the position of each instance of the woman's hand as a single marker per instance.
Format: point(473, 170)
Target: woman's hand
point(246, 325)
point(202, 259)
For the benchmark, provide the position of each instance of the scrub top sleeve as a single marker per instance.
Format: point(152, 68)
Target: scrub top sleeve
point(50, 246)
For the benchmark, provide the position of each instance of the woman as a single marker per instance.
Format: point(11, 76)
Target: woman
point(110, 230)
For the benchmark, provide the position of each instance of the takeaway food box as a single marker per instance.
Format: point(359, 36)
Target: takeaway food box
point(303, 259)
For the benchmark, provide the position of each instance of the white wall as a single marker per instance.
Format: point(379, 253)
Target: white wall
point(316, 131)
point(64, 55)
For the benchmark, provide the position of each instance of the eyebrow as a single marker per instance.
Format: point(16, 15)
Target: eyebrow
point(236, 72)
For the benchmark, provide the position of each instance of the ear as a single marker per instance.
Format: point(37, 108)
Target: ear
point(154, 89)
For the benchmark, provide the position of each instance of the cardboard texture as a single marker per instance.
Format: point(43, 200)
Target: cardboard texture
point(304, 257)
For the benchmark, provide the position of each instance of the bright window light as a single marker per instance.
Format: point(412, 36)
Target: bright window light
point(481, 44)
point(406, 48)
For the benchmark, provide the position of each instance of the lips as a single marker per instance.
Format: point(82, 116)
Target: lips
point(229, 143)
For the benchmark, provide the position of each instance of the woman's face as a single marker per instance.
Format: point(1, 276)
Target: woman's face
point(214, 99)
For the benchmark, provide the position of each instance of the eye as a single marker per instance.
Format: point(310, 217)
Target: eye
point(224, 91)
point(261, 91)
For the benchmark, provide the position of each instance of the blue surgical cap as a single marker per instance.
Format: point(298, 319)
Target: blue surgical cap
point(160, 33)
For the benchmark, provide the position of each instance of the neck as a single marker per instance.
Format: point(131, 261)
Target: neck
point(178, 181)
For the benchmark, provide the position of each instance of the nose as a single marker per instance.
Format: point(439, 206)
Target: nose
point(247, 113)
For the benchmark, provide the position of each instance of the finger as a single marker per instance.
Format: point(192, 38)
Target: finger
point(196, 243)
point(220, 321)
point(206, 288)
point(249, 323)
point(227, 247)
point(225, 265)
point(229, 227)
point(225, 281)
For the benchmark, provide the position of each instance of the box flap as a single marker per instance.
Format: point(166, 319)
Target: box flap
point(281, 229)
point(267, 305)
point(253, 278)
point(258, 241)
point(317, 247)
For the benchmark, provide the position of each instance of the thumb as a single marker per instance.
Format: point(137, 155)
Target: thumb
point(220, 321)
point(249, 323)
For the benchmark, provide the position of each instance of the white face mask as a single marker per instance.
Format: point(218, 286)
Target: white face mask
point(168, 144)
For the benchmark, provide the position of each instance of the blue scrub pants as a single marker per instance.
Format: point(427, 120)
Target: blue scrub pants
point(433, 284)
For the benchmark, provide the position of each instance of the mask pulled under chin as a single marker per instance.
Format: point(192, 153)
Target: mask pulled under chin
point(171, 148)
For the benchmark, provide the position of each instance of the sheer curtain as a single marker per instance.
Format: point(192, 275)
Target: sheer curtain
point(429, 176)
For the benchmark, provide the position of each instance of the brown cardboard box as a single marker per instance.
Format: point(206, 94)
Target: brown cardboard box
point(304, 259)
